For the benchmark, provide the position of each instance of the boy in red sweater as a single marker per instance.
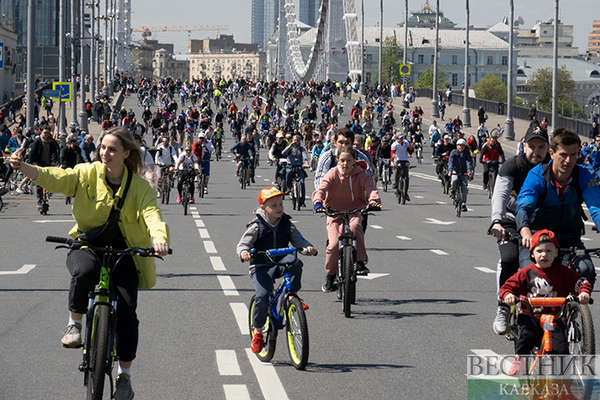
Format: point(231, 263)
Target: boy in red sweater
point(545, 278)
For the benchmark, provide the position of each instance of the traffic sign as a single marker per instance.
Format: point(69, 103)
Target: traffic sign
point(404, 69)
point(51, 93)
point(65, 87)
point(1, 54)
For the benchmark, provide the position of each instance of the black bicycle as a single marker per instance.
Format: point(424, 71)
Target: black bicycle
point(245, 172)
point(347, 263)
point(296, 188)
point(186, 188)
point(99, 351)
point(401, 191)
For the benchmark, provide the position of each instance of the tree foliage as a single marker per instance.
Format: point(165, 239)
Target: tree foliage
point(426, 79)
point(391, 60)
point(491, 88)
point(541, 84)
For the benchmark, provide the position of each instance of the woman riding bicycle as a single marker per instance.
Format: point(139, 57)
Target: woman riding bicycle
point(343, 188)
point(187, 164)
point(96, 187)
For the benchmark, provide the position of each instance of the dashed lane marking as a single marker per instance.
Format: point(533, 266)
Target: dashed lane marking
point(240, 312)
point(209, 246)
point(21, 271)
point(265, 179)
point(486, 270)
point(441, 202)
point(227, 285)
point(376, 227)
point(438, 222)
point(236, 392)
point(403, 238)
point(372, 276)
point(439, 252)
point(217, 263)
point(203, 233)
point(418, 197)
point(193, 208)
point(269, 382)
point(195, 214)
point(199, 223)
point(228, 363)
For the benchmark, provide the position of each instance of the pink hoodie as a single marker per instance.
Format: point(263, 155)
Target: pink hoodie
point(345, 192)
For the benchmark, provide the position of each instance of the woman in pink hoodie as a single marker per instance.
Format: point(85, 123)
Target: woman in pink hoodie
point(343, 188)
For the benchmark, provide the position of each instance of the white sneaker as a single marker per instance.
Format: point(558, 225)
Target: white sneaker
point(19, 190)
point(123, 390)
point(72, 336)
point(501, 320)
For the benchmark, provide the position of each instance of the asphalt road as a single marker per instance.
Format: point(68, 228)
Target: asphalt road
point(428, 303)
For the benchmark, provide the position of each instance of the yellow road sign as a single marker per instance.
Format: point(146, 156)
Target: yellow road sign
point(404, 69)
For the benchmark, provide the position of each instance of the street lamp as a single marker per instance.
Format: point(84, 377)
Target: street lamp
point(466, 112)
point(83, 117)
point(509, 127)
point(435, 111)
point(555, 70)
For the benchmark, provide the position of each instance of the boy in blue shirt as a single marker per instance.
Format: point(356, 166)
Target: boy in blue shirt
point(270, 229)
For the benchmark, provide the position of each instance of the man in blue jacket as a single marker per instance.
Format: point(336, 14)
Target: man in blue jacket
point(552, 195)
point(460, 169)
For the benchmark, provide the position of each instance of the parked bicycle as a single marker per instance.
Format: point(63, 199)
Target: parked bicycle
point(101, 318)
point(347, 262)
point(285, 311)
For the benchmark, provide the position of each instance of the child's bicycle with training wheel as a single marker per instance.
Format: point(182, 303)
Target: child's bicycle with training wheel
point(285, 311)
point(99, 351)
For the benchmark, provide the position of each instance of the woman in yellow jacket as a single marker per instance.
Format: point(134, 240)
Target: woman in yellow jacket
point(96, 189)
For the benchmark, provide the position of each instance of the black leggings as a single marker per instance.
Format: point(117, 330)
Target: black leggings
point(84, 267)
point(182, 176)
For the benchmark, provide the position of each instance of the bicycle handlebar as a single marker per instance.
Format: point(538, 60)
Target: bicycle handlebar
point(330, 212)
point(77, 244)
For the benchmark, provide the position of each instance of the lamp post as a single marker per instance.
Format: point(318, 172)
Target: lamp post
point(380, 78)
point(30, 64)
point(555, 69)
point(73, 34)
point(62, 134)
point(466, 112)
point(83, 117)
point(509, 127)
point(362, 50)
point(435, 111)
point(404, 55)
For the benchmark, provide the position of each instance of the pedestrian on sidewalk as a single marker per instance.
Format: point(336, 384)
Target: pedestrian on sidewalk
point(481, 115)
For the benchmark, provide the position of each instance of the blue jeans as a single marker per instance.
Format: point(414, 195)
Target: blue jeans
point(263, 278)
point(464, 181)
point(289, 176)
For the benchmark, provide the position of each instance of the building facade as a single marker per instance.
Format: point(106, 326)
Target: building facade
point(165, 64)
point(539, 41)
point(142, 57)
point(594, 39)
point(223, 43)
point(217, 66)
point(265, 16)
point(8, 38)
point(308, 11)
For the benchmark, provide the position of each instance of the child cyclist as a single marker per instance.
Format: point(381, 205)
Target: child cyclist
point(544, 278)
point(270, 229)
point(343, 188)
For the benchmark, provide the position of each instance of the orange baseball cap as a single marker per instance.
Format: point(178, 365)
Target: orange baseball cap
point(268, 193)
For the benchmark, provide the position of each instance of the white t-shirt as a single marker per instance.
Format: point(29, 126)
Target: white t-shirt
point(400, 150)
point(433, 129)
point(165, 156)
point(187, 162)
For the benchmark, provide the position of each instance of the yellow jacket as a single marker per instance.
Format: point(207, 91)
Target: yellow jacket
point(141, 219)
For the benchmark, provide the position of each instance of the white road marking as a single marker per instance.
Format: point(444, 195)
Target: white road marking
point(376, 227)
point(227, 363)
point(199, 223)
point(195, 214)
point(486, 270)
point(418, 197)
point(589, 223)
point(203, 233)
point(403, 238)
point(21, 271)
point(217, 263)
point(259, 176)
point(441, 202)
point(586, 239)
point(209, 246)
point(236, 392)
point(44, 221)
point(227, 285)
point(240, 311)
point(438, 222)
point(265, 179)
point(439, 252)
point(372, 276)
point(269, 382)
point(193, 208)
point(435, 178)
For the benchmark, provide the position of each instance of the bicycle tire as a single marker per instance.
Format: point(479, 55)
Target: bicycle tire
point(168, 191)
point(201, 185)
point(269, 334)
point(458, 200)
point(348, 283)
point(419, 155)
point(295, 198)
point(384, 179)
point(99, 351)
point(297, 333)
point(494, 132)
point(403, 191)
point(491, 183)
point(185, 199)
point(584, 341)
point(244, 177)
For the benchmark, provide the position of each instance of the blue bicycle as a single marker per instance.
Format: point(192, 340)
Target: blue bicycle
point(285, 311)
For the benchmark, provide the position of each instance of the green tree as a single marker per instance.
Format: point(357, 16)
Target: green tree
point(391, 59)
point(426, 79)
point(490, 88)
point(541, 84)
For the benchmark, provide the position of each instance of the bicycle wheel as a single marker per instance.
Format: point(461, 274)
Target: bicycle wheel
point(349, 285)
point(201, 185)
point(244, 176)
point(458, 200)
point(185, 198)
point(580, 330)
point(295, 196)
point(297, 333)
point(98, 351)
point(491, 183)
point(403, 190)
point(269, 332)
point(384, 179)
point(167, 190)
point(419, 155)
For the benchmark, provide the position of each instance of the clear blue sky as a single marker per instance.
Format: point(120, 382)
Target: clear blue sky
point(236, 14)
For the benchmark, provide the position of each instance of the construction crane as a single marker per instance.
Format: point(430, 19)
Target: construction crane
point(147, 30)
